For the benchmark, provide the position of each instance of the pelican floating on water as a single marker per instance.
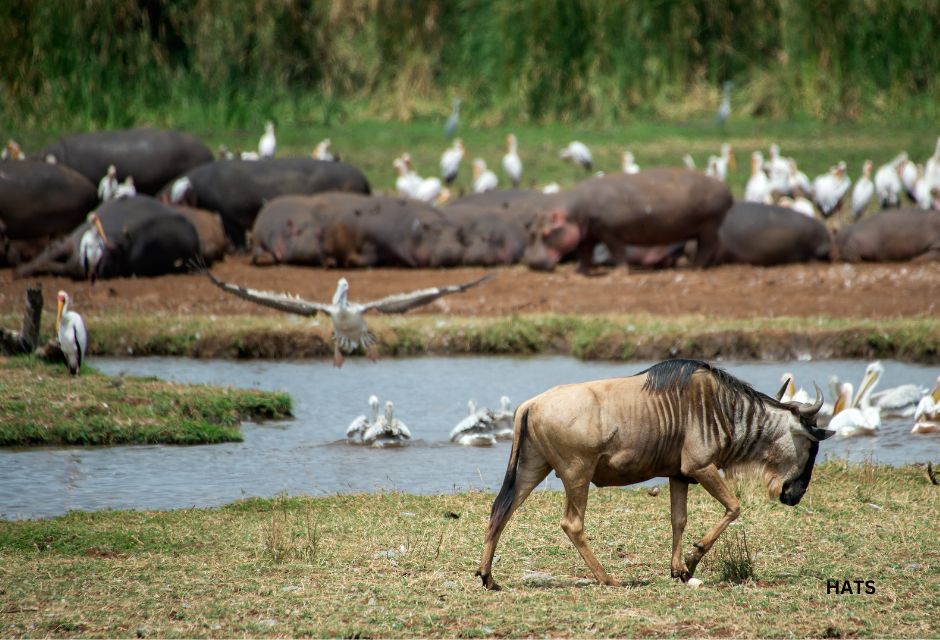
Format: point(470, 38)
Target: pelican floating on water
point(579, 154)
point(91, 247)
point(267, 144)
point(73, 338)
point(512, 164)
point(108, 185)
point(897, 401)
point(361, 424)
point(483, 179)
point(850, 421)
point(476, 429)
point(502, 420)
point(387, 431)
point(927, 414)
point(349, 326)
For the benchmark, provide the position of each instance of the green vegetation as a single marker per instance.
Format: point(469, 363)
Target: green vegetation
point(117, 62)
point(42, 404)
point(397, 565)
point(613, 336)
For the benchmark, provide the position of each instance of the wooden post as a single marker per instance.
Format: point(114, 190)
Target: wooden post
point(25, 340)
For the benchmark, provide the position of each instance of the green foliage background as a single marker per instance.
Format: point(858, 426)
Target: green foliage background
point(211, 63)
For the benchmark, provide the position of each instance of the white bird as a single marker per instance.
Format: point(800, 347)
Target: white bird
point(758, 186)
point(483, 179)
point(922, 195)
point(450, 127)
point(512, 164)
point(849, 421)
point(778, 172)
point(827, 407)
point(927, 414)
point(932, 170)
point(476, 430)
point(578, 153)
point(387, 431)
point(126, 189)
point(829, 189)
point(896, 401)
point(180, 190)
point(502, 420)
point(799, 204)
point(724, 108)
point(629, 164)
point(424, 189)
point(108, 185)
point(863, 190)
point(799, 182)
point(720, 165)
point(408, 181)
point(860, 418)
point(551, 187)
point(361, 424)
point(267, 144)
point(689, 162)
point(450, 161)
point(91, 247)
point(322, 151)
point(73, 338)
point(791, 394)
point(249, 155)
point(349, 326)
point(909, 175)
point(13, 151)
point(888, 184)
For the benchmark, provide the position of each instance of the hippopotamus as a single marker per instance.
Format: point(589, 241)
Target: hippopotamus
point(653, 207)
point(291, 229)
point(40, 200)
point(765, 235)
point(492, 225)
point(208, 226)
point(145, 238)
point(151, 156)
point(891, 236)
point(237, 189)
point(381, 230)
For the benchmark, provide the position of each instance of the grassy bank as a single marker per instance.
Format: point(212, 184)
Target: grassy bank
point(401, 565)
point(42, 405)
point(613, 337)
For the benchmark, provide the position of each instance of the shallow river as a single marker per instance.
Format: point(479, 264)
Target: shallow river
point(307, 455)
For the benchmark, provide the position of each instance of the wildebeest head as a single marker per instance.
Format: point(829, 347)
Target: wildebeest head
point(798, 470)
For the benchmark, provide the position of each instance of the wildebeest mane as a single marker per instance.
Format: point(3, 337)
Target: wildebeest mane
point(675, 375)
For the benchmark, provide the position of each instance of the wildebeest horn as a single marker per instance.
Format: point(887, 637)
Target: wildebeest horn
point(783, 389)
point(812, 409)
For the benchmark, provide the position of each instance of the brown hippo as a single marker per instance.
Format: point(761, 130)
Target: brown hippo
point(492, 225)
point(152, 156)
point(291, 229)
point(145, 238)
point(237, 189)
point(765, 235)
point(891, 236)
point(40, 200)
point(381, 230)
point(208, 225)
point(653, 207)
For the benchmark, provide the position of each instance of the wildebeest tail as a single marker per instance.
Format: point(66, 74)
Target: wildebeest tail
point(507, 492)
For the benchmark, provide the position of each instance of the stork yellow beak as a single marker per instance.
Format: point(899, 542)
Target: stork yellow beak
point(58, 315)
point(100, 229)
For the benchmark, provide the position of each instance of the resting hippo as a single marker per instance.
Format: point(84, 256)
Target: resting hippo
point(208, 226)
point(151, 156)
point(237, 189)
point(380, 230)
point(764, 235)
point(145, 238)
point(493, 229)
point(39, 200)
point(891, 236)
point(653, 207)
point(291, 229)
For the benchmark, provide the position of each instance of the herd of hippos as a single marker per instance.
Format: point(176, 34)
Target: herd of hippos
point(163, 199)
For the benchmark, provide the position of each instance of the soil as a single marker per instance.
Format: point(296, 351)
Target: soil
point(832, 290)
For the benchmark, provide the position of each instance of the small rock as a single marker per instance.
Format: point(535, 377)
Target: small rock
point(652, 492)
point(694, 583)
point(875, 506)
point(538, 579)
point(488, 631)
point(408, 514)
point(270, 622)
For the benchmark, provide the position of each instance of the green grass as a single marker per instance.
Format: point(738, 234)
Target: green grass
point(43, 405)
point(319, 567)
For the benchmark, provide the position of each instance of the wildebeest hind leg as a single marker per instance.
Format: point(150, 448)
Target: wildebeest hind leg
point(713, 483)
point(678, 498)
point(573, 525)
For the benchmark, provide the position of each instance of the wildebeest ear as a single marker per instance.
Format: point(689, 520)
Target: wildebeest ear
point(825, 433)
point(783, 389)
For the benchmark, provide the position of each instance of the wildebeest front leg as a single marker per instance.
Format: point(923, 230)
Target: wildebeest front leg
point(713, 483)
point(573, 525)
point(678, 494)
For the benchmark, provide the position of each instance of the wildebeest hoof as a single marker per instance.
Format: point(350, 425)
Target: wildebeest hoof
point(488, 583)
point(682, 575)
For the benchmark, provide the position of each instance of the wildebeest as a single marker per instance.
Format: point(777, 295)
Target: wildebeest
point(680, 419)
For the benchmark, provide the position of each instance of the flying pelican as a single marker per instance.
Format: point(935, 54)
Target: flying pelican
point(349, 326)
point(322, 151)
point(724, 108)
point(896, 401)
point(888, 183)
point(450, 161)
point(476, 429)
point(849, 420)
point(126, 189)
point(629, 164)
point(91, 247)
point(927, 415)
point(267, 145)
point(829, 189)
point(361, 424)
point(483, 179)
point(450, 127)
point(758, 186)
point(579, 154)
point(73, 339)
point(512, 165)
point(107, 186)
point(387, 430)
point(863, 190)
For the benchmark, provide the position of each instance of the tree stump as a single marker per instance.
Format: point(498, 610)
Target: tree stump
point(26, 339)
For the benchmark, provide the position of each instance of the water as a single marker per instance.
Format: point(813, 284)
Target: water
point(308, 456)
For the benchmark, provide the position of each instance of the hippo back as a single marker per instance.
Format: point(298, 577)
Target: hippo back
point(892, 235)
point(40, 200)
point(760, 234)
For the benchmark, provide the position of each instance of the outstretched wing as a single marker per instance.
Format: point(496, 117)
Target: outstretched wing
point(401, 302)
point(280, 301)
